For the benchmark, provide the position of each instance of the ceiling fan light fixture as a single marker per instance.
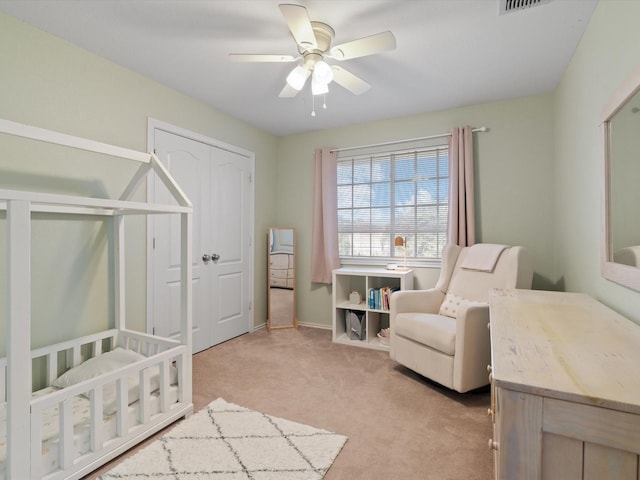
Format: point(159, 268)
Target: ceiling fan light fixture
point(314, 41)
point(322, 72)
point(318, 88)
point(297, 77)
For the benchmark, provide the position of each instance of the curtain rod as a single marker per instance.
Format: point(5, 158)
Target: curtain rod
point(408, 140)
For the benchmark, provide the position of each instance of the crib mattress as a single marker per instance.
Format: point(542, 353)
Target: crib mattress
point(81, 427)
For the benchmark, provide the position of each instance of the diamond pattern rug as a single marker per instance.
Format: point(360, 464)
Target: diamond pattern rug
point(226, 441)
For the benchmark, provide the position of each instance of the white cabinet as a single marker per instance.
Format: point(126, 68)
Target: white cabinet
point(366, 282)
point(565, 388)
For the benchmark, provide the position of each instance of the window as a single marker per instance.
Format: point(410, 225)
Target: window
point(382, 196)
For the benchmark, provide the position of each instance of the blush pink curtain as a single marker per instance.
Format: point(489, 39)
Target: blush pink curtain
point(461, 228)
point(324, 241)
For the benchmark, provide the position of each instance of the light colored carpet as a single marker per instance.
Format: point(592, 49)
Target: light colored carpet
point(226, 441)
point(400, 425)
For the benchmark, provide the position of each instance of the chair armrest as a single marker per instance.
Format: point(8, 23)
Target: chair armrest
point(473, 348)
point(427, 301)
point(405, 301)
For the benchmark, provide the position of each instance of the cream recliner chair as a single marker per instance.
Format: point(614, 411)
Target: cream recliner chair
point(442, 333)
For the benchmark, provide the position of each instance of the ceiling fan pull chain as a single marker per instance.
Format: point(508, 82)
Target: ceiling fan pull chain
point(313, 105)
point(324, 101)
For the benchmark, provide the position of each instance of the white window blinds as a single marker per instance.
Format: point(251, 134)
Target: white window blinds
point(382, 196)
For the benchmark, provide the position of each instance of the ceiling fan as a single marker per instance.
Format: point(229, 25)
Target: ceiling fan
point(314, 41)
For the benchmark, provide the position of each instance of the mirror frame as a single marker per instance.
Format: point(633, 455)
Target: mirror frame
point(270, 321)
point(622, 274)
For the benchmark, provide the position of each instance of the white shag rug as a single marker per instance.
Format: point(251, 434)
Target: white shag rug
point(226, 441)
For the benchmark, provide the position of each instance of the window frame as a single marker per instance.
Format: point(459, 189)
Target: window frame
point(440, 154)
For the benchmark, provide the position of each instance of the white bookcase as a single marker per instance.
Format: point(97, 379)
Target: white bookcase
point(362, 280)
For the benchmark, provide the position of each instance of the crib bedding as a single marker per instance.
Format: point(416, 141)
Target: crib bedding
point(81, 426)
point(108, 362)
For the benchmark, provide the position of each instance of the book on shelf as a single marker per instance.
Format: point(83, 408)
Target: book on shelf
point(379, 297)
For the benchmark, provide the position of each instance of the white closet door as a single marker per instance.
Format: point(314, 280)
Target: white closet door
point(231, 241)
point(218, 183)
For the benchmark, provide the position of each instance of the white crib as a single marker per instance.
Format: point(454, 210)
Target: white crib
point(57, 433)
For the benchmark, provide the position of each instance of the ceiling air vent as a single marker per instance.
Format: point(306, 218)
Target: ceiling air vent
point(509, 6)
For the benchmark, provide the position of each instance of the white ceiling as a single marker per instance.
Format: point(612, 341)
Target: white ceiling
point(450, 53)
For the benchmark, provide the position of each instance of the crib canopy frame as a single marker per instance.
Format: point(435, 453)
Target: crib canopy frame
point(19, 205)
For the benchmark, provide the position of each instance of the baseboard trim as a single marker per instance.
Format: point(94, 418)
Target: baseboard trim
point(314, 325)
point(300, 324)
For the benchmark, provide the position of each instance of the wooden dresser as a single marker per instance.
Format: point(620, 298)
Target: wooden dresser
point(565, 388)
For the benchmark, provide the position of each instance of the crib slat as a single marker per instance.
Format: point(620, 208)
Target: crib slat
point(181, 366)
point(66, 433)
point(97, 348)
point(77, 359)
point(164, 386)
point(36, 444)
point(122, 422)
point(97, 430)
point(52, 367)
point(144, 411)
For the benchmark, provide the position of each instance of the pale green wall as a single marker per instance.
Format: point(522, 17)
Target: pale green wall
point(538, 179)
point(514, 194)
point(52, 84)
point(605, 57)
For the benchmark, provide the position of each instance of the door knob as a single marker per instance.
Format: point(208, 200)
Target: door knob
point(206, 258)
point(215, 257)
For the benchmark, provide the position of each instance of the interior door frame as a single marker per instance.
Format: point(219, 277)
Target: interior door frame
point(153, 125)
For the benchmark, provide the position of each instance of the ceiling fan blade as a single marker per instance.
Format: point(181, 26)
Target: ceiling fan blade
point(258, 57)
point(299, 23)
point(288, 91)
point(349, 81)
point(380, 42)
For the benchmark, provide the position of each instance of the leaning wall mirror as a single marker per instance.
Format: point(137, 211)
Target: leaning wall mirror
point(281, 279)
point(621, 232)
